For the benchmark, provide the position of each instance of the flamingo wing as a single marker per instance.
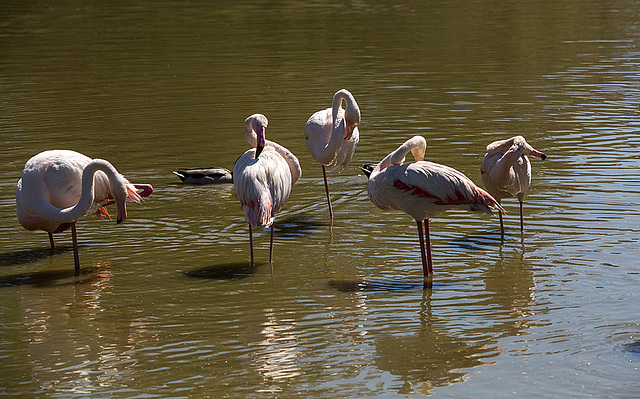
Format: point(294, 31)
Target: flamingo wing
point(262, 185)
point(422, 189)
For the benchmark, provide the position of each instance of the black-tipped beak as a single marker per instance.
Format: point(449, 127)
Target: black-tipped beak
point(259, 150)
point(538, 154)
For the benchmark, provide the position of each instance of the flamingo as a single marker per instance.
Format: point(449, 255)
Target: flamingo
point(506, 171)
point(60, 186)
point(211, 175)
point(263, 177)
point(332, 135)
point(423, 189)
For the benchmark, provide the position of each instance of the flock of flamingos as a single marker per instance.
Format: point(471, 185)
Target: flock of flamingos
point(60, 186)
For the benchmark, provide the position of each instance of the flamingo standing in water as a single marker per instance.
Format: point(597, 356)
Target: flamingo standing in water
point(506, 171)
point(263, 177)
point(60, 186)
point(332, 135)
point(423, 189)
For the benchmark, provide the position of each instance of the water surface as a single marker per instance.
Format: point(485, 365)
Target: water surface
point(167, 304)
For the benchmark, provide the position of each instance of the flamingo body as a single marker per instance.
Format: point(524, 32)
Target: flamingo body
point(423, 189)
point(58, 187)
point(506, 171)
point(263, 177)
point(331, 135)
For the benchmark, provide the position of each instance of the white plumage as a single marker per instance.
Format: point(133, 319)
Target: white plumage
point(423, 189)
point(506, 171)
point(331, 135)
point(263, 177)
point(60, 186)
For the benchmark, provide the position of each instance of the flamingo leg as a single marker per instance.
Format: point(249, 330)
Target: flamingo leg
point(53, 247)
point(521, 219)
point(251, 243)
point(501, 226)
point(326, 188)
point(425, 267)
point(428, 245)
point(76, 256)
point(271, 246)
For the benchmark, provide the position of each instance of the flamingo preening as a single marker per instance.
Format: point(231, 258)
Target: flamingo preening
point(506, 171)
point(263, 177)
point(423, 189)
point(331, 135)
point(60, 186)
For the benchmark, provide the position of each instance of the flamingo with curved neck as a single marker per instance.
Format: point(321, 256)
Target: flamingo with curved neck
point(423, 189)
point(262, 178)
point(58, 187)
point(332, 135)
point(506, 171)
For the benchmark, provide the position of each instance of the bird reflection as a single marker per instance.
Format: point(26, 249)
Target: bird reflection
point(275, 354)
point(59, 312)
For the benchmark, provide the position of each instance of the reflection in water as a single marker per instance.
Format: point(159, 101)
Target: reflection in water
point(61, 358)
point(437, 354)
point(275, 354)
point(232, 271)
point(161, 85)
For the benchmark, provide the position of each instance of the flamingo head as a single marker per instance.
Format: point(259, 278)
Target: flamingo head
point(351, 120)
point(517, 142)
point(255, 131)
point(120, 194)
point(529, 150)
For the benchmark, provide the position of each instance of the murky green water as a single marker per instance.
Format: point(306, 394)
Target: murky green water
point(167, 304)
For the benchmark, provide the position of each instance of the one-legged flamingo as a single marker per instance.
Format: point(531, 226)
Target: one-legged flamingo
point(263, 177)
point(332, 135)
point(506, 171)
point(423, 189)
point(60, 186)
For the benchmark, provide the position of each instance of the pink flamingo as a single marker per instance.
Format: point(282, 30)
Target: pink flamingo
point(263, 177)
point(332, 135)
point(60, 186)
point(506, 171)
point(423, 189)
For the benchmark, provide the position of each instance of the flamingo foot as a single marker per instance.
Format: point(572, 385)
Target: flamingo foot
point(146, 189)
point(103, 212)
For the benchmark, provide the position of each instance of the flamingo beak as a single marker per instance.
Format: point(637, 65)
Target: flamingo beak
point(348, 131)
point(262, 141)
point(538, 154)
point(122, 212)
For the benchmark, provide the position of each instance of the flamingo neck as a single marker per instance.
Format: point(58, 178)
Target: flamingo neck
point(116, 183)
point(417, 145)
